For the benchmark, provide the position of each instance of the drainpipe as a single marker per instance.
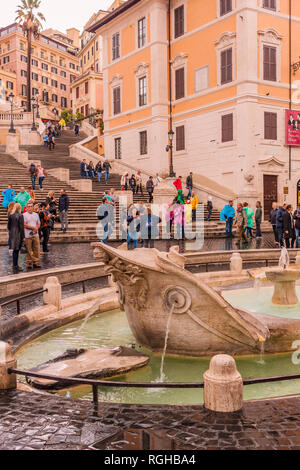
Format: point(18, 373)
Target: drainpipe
point(171, 173)
point(290, 80)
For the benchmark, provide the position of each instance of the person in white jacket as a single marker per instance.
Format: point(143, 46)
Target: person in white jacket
point(125, 181)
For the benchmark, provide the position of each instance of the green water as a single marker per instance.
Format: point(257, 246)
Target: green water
point(259, 299)
point(112, 329)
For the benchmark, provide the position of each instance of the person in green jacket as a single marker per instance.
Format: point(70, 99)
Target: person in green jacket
point(250, 215)
point(22, 198)
point(258, 219)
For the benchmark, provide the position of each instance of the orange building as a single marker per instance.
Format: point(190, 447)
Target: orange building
point(224, 95)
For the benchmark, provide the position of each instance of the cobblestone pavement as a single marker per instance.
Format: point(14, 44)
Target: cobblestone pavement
point(34, 421)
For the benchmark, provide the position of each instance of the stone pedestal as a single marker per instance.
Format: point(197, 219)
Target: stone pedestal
point(53, 294)
point(298, 259)
point(236, 263)
point(7, 360)
point(165, 192)
point(12, 143)
point(223, 385)
point(34, 138)
point(284, 286)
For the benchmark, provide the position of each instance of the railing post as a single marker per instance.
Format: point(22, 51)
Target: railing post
point(95, 398)
point(236, 263)
point(52, 296)
point(7, 361)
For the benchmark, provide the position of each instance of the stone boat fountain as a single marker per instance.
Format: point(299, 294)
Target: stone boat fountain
point(153, 286)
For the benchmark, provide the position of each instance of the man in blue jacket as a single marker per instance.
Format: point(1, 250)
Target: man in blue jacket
point(63, 206)
point(279, 223)
point(228, 214)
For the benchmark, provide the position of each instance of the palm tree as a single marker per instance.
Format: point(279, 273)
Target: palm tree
point(31, 26)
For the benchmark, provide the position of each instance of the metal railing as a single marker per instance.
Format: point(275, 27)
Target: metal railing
point(267, 261)
point(101, 383)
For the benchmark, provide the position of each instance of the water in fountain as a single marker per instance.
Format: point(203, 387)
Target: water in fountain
point(262, 352)
point(162, 376)
point(284, 260)
point(94, 308)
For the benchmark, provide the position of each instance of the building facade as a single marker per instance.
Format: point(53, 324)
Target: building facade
point(8, 85)
point(54, 65)
point(224, 95)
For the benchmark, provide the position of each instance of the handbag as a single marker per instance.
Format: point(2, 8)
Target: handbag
point(23, 249)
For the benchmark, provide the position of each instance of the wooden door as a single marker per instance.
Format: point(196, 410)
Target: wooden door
point(270, 193)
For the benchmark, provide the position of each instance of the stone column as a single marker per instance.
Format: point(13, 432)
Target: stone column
point(223, 385)
point(7, 360)
point(53, 294)
point(236, 263)
point(12, 143)
point(165, 192)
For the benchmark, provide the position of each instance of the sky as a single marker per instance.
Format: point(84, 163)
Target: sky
point(59, 14)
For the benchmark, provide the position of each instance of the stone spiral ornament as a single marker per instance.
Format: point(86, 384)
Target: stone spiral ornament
point(177, 299)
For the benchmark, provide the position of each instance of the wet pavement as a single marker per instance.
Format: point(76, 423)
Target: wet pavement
point(62, 254)
point(33, 421)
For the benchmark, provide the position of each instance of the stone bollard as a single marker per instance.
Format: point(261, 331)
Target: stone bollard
point(223, 385)
point(53, 296)
point(7, 360)
point(298, 259)
point(236, 263)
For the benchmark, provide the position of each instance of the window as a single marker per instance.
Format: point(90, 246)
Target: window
point(225, 7)
point(6, 59)
point(35, 91)
point(9, 85)
point(35, 63)
point(54, 98)
point(87, 110)
point(63, 102)
point(22, 46)
point(45, 80)
point(61, 62)
point(44, 66)
point(72, 66)
point(270, 65)
point(45, 97)
point(24, 90)
point(179, 21)
point(77, 92)
point(88, 55)
point(179, 83)
point(54, 83)
point(117, 100)
point(92, 50)
point(141, 32)
point(118, 149)
point(180, 138)
point(63, 87)
point(270, 126)
point(86, 87)
point(23, 59)
point(97, 46)
point(54, 70)
point(72, 78)
point(23, 73)
point(116, 46)
point(35, 77)
point(269, 4)
point(63, 74)
point(142, 91)
point(143, 143)
point(226, 66)
point(201, 79)
point(227, 128)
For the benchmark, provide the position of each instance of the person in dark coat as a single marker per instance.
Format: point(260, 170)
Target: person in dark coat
point(63, 207)
point(297, 225)
point(289, 233)
point(15, 227)
point(132, 184)
point(279, 223)
point(149, 228)
point(272, 220)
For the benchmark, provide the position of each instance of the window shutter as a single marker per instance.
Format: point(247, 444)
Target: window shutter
point(271, 126)
point(179, 83)
point(227, 128)
point(179, 21)
point(117, 100)
point(180, 138)
point(226, 66)
point(270, 64)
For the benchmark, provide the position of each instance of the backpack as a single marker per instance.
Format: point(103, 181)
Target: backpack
point(32, 169)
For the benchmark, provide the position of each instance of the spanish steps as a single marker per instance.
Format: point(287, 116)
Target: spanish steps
point(83, 205)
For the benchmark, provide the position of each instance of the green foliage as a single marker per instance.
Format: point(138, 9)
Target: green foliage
point(79, 116)
point(67, 115)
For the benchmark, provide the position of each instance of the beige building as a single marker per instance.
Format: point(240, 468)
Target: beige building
point(8, 84)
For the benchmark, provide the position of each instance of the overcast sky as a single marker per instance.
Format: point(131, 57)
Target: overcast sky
point(59, 14)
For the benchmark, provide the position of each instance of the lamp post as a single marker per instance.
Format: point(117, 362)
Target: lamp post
point(170, 148)
point(37, 106)
point(12, 130)
point(33, 128)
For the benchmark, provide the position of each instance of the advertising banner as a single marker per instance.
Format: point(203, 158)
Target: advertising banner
point(292, 127)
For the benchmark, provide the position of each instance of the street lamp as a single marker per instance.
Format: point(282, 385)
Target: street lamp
point(170, 148)
point(12, 130)
point(37, 106)
point(54, 110)
point(33, 128)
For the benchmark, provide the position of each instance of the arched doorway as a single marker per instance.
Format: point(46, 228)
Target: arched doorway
point(298, 193)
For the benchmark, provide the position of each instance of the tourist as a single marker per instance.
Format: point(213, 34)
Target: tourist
point(41, 173)
point(76, 129)
point(31, 193)
point(11, 205)
point(150, 189)
point(33, 174)
point(258, 219)
point(241, 222)
point(134, 227)
point(194, 201)
point(8, 196)
point(139, 182)
point(189, 184)
point(84, 170)
point(227, 214)
point(91, 170)
point(98, 171)
point(179, 220)
point(272, 220)
point(51, 140)
point(209, 208)
point(132, 184)
point(149, 228)
point(106, 214)
point(52, 202)
point(106, 167)
point(15, 227)
point(297, 225)
point(178, 185)
point(289, 234)
point(279, 223)
point(45, 139)
point(22, 198)
point(113, 196)
point(125, 182)
point(46, 224)
point(250, 215)
point(32, 225)
point(63, 207)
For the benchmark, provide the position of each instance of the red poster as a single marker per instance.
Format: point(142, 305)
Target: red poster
point(292, 126)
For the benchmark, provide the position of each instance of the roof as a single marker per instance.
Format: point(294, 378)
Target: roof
point(114, 14)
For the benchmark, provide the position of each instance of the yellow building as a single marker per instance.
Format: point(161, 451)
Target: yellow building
point(223, 93)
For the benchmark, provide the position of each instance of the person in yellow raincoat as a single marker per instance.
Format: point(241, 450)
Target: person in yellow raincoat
point(193, 201)
point(62, 123)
